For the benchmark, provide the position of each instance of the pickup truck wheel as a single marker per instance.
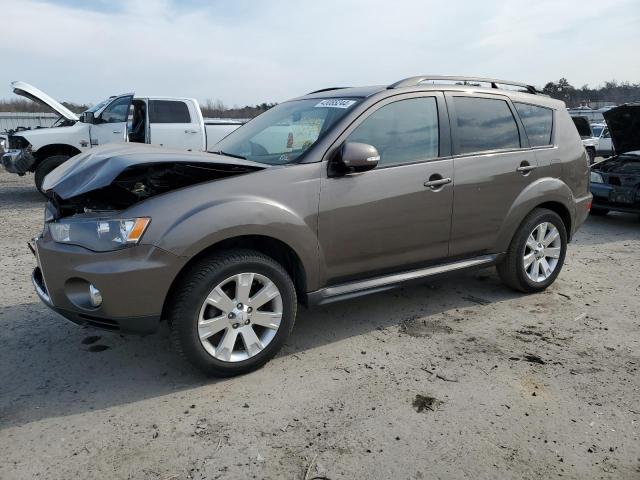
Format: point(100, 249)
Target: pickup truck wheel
point(46, 166)
point(232, 312)
point(536, 254)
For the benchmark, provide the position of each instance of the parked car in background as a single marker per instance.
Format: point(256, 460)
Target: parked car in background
point(601, 134)
point(161, 121)
point(339, 193)
point(615, 182)
point(586, 134)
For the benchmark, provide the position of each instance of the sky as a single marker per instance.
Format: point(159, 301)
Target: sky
point(248, 52)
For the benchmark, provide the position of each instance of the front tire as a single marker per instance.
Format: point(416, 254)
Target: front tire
point(536, 254)
point(232, 312)
point(46, 166)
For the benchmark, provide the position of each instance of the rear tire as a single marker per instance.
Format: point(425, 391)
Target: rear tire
point(599, 212)
point(45, 167)
point(536, 254)
point(213, 297)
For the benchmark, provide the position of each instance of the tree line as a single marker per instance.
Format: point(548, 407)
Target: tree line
point(217, 109)
point(611, 91)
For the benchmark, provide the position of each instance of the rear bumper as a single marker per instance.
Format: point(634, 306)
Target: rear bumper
point(581, 212)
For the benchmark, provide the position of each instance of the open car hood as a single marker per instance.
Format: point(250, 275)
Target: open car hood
point(583, 126)
point(32, 93)
point(139, 170)
point(624, 127)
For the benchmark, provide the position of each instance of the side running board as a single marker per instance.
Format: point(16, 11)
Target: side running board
point(358, 288)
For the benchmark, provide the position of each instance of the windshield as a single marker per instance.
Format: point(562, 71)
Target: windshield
point(597, 130)
point(283, 133)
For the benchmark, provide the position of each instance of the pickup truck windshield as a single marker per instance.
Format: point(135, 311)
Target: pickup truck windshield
point(286, 131)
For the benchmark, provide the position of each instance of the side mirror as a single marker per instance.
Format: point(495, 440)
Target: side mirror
point(87, 117)
point(356, 158)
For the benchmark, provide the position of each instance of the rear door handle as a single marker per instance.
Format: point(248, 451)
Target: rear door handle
point(117, 131)
point(190, 131)
point(437, 183)
point(525, 168)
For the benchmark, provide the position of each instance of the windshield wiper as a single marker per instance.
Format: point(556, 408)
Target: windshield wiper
point(227, 154)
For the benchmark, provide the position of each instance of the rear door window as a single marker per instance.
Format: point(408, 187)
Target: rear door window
point(168, 111)
point(484, 124)
point(402, 132)
point(538, 123)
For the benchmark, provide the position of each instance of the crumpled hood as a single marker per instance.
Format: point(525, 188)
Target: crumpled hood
point(624, 127)
point(101, 166)
point(32, 93)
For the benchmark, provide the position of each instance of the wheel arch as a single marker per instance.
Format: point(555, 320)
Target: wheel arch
point(272, 247)
point(549, 193)
point(54, 149)
point(562, 211)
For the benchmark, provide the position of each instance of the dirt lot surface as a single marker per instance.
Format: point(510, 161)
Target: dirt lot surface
point(457, 378)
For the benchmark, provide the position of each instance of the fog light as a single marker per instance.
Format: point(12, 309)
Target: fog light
point(95, 296)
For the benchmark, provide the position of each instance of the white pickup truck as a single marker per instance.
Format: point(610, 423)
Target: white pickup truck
point(161, 121)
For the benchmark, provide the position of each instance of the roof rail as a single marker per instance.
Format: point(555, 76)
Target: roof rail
point(326, 90)
point(415, 81)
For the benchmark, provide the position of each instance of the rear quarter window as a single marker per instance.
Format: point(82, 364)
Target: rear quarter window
point(484, 124)
point(168, 111)
point(538, 123)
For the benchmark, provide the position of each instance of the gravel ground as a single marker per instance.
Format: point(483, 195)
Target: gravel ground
point(457, 378)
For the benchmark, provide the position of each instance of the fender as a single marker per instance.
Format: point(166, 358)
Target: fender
point(235, 217)
point(185, 225)
point(552, 190)
point(76, 135)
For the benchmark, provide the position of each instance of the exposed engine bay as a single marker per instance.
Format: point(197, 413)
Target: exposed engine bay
point(140, 182)
point(626, 164)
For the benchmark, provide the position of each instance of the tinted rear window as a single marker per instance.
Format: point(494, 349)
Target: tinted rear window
point(168, 111)
point(538, 123)
point(484, 124)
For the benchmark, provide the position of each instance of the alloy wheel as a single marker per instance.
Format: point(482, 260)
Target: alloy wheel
point(240, 317)
point(542, 251)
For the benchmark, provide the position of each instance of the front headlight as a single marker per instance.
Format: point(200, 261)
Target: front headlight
point(100, 235)
point(596, 178)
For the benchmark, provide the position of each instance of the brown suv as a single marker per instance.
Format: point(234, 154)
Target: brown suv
point(339, 193)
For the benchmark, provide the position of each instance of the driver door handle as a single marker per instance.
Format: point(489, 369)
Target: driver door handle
point(437, 183)
point(117, 131)
point(190, 131)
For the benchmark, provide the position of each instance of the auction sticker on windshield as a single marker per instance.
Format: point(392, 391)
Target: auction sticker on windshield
point(335, 103)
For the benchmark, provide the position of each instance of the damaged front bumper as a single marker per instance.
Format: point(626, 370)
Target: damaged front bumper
point(18, 161)
point(133, 284)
